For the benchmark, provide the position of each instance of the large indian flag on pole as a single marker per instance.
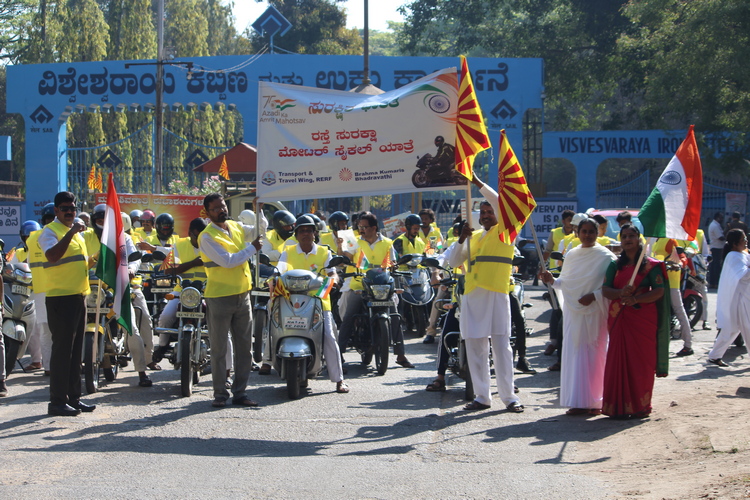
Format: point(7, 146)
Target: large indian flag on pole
point(112, 267)
point(673, 210)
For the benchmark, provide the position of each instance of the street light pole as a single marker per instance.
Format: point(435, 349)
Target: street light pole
point(159, 117)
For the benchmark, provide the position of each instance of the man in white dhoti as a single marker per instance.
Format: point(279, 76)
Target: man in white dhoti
point(584, 322)
point(485, 309)
point(733, 297)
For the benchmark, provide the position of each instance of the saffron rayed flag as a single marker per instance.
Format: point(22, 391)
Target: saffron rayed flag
point(515, 200)
point(112, 267)
point(471, 134)
point(224, 169)
point(92, 177)
point(99, 181)
point(673, 209)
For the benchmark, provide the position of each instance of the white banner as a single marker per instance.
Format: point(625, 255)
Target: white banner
point(319, 143)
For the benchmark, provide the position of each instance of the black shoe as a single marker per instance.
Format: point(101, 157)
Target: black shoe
point(428, 339)
point(159, 353)
point(685, 351)
point(718, 362)
point(83, 407)
point(523, 366)
point(62, 410)
point(3, 389)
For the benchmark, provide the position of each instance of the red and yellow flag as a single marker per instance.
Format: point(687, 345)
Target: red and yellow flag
point(471, 134)
point(515, 200)
point(99, 181)
point(278, 289)
point(224, 169)
point(168, 261)
point(92, 177)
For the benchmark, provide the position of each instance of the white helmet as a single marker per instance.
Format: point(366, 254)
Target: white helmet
point(126, 225)
point(247, 217)
point(578, 218)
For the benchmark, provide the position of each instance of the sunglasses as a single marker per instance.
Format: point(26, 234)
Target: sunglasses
point(66, 208)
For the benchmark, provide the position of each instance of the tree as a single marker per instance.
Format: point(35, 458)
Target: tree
point(83, 34)
point(318, 27)
point(132, 33)
point(186, 28)
point(385, 43)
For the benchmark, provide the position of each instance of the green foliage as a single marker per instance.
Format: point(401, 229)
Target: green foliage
point(385, 43)
point(318, 27)
point(83, 33)
point(132, 31)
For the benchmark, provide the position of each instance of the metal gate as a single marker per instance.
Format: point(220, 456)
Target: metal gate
point(131, 159)
point(630, 192)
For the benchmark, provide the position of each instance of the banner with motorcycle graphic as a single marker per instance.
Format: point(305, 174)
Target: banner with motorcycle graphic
point(320, 143)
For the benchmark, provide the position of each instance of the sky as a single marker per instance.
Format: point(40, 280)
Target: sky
point(381, 11)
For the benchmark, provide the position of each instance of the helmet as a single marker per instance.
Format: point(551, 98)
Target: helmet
point(412, 220)
point(135, 213)
point(148, 215)
point(305, 220)
point(280, 219)
point(164, 225)
point(337, 217)
point(247, 217)
point(29, 227)
point(99, 212)
point(578, 218)
point(48, 210)
point(320, 226)
point(126, 224)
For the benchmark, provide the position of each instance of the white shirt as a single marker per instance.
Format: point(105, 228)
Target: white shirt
point(347, 283)
point(220, 255)
point(715, 235)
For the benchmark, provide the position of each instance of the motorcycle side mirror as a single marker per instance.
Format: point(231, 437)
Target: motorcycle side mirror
point(518, 260)
point(404, 259)
point(346, 260)
point(146, 258)
point(431, 262)
point(336, 261)
point(158, 255)
point(557, 256)
point(264, 259)
point(134, 256)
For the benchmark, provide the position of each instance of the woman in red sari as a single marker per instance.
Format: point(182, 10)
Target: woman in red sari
point(633, 324)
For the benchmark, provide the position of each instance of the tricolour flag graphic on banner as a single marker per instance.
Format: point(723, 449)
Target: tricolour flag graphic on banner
point(673, 209)
point(112, 267)
point(515, 200)
point(471, 134)
point(224, 168)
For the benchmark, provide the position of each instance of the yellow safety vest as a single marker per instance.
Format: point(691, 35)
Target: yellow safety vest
point(376, 256)
point(93, 245)
point(434, 237)
point(329, 240)
point(556, 236)
point(699, 235)
point(222, 281)
point(277, 242)
point(141, 234)
point(407, 247)
point(604, 240)
point(185, 252)
point(36, 260)
point(69, 275)
point(154, 240)
point(491, 262)
point(314, 261)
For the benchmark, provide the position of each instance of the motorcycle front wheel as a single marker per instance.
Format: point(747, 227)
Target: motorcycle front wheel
point(420, 320)
point(260, 321)
point(11, 353)
point(383, 344)
point(186, 364)
point(694, 308)
point(293, 369)
point(90, 365)
point(419, 178)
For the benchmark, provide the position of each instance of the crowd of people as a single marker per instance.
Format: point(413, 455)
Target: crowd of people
point(616, 310)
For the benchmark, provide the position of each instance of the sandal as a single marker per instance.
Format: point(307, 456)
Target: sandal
point(515, 407)
point(595, 411)
point(476, 405)
point(244, 402)
point(265, 370)
point(341, 387)
point(145, 381)
point(219, 403)
point(436, 385)
point(153, 366)
point(577, 411)
point(718, 362)
point(405, 363)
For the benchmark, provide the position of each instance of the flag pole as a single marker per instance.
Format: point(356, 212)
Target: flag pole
point(543, 267)
point(96, 323)
point(646, 249)
point(468, 221)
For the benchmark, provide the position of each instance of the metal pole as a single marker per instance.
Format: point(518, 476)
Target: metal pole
point(366, 77)
point(159, 117)
point(552, 296)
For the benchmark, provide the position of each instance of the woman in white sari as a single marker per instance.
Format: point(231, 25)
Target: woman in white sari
point(584, 322)
point(733, 297)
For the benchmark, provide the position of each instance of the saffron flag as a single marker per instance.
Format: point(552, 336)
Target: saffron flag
point(224, 169)
point(99, 182)
point(515, 200)
point(387, 262)
point(673, 209)
point(278, 289)
point(168, 262)
point(362, 262)
point(92, 177)
point(112, 267)
point(471, 134)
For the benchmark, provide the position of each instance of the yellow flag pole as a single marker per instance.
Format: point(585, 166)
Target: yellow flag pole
point(96, 324)
point(468, 221)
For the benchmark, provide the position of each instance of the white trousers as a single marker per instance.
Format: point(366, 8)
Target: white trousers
point(141, 342)
point(478, 357)
point(45, 335)
point(724, 340)
point(686, 333)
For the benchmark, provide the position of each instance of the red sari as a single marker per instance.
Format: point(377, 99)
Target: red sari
point(632, 355)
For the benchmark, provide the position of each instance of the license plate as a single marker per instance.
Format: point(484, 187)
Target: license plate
point(385, 303)
point(296, 323)
point(260, 293)
point(418, 280)
point(188, 314)
point(162, 290)
point(20, 289)
point(102, 310)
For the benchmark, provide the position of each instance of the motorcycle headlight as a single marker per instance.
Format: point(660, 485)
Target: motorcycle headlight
point(163, 282)
point(190, 298)
point(22, 276)
point(380, 292)
point(91, 298)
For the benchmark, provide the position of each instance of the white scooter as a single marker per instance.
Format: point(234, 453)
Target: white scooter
point(19, 313)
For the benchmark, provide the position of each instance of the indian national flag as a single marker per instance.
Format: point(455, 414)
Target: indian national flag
point(112, 267)
point(673, 210)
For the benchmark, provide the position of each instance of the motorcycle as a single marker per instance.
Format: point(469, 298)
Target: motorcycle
point(692, 301)
point(19, 312)
point(529, 269)
point(429, 174)
point(260, 296)
point(417, 291)
point(371, 335)
point(191, 353)
point(296, 327)
point(519, 331)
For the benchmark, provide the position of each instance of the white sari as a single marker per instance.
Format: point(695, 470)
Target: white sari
point(585, 336)
point(732, 302)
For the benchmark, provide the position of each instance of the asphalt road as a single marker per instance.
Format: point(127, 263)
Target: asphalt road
point(388, 438)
